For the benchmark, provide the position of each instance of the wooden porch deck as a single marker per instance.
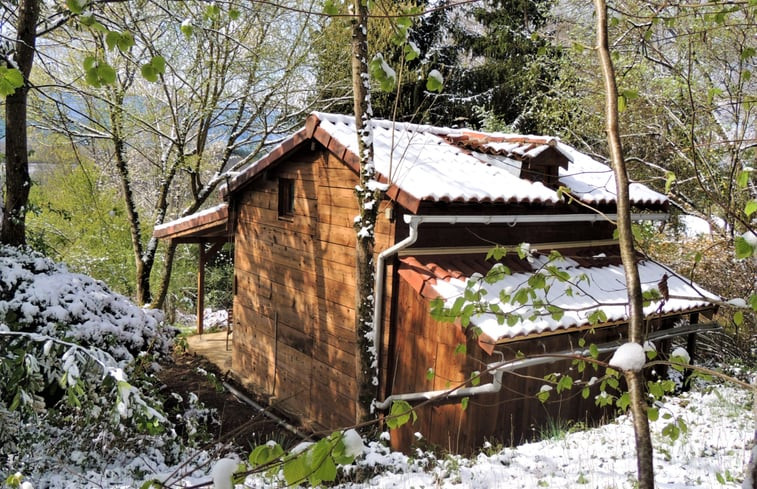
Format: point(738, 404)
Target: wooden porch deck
point(213, 347)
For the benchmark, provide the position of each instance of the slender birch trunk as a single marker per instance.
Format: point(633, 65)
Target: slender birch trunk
point(368, 199)
point(634, 380)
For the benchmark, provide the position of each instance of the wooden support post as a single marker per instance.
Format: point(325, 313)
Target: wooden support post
point(691, 347)
point(201, 290)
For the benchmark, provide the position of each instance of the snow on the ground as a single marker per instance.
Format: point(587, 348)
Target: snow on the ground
point(715, 448)
point(215, 319)
point(717, 443)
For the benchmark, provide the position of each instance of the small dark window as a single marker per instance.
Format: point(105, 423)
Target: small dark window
point(286, 197)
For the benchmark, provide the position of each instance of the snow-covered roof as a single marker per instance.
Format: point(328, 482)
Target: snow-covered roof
point(438, 164)
point(208, 224)
point(596, 282)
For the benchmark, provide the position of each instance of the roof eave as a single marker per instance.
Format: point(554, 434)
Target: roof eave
point(198, 227)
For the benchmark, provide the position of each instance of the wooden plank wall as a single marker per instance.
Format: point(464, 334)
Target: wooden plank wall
point(511, 416)
point(295, 296)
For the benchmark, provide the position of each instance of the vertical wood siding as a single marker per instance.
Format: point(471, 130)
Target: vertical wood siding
point(295, 340)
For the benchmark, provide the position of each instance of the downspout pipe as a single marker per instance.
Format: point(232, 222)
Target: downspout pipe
point(380, 278)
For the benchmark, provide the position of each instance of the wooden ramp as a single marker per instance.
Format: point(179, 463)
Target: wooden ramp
point(213, 347)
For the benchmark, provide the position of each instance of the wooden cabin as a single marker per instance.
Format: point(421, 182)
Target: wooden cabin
point(452, 195)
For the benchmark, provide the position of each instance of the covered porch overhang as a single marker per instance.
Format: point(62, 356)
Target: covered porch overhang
point(210, 229)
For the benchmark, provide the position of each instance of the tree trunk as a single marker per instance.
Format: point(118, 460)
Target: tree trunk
point(634, 380)
point(165, 281)
point(143, 266)
point(368, 199)
point(17, 180)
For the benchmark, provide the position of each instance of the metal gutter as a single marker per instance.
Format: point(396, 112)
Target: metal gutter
point(497, 369)
point(482, 250)
point(535, 218)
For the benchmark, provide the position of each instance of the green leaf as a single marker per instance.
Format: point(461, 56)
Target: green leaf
point(75, 6)
point(750, 208)
point(743, 178)
point(475, 378)
point(743, 248)
point(410, 52)
point(623, 401)
point(318, 459)
point(543, 395)
point(621, 103)
point(212, 11)
point(670, 177)
point(537, 281)
point(148, 73)
point(497, 253)
point(153, 69)
point(593, 351)
point(671, 431)
point(330, 7)
point(435, 81)
point(159, 63)
point(655, 389)
point(382, 72)
point(585, 392)
point(111, 38)
point(430, 374)
point(521, 296)
point(187, 28)
point(464, 403)
point(10, 80)
point(555, 312)
point(265, 454)
point(565, 383)
point(106, 73)
point(738, 318)
point(234, 14)
point(125, 42)
point(295, 470)
point(339, 452)
point(653, 413)
point(597, 317)
point(400, 413)
point(753, 302)
point(98, 73)
point(748, 52)
point(89, 62)
point(712, 93)
point(461, 349)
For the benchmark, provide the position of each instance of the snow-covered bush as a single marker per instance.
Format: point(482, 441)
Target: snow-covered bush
point(76, 365)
